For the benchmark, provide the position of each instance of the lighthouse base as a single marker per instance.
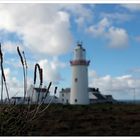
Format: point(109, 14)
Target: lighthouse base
point(79, 103)
point(81, 100)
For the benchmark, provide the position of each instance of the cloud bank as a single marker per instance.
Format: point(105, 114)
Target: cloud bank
point(43, 28)
point(119, 86)
point(116, 37)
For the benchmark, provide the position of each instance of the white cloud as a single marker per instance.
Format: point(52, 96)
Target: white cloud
point(80, 12)
point(118, 17)
point(51, 70)
point(119, 86)
point(12, 82)
point(135, 70)
point(117, 37)
point(10, 47)
point(44, 28)
point(99, 29)
point(131, 7)
point(7, 72)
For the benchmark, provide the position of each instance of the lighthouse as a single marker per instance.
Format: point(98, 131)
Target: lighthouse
point(79, 81)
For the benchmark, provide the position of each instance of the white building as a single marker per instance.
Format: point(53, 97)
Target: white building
point(17, 100)
point(94, 96)
point(64, 96)
point(38, 95)
point(79, 81)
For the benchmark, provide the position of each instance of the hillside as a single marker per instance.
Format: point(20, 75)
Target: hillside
point(93, 120)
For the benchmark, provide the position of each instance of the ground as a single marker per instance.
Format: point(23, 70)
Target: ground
point(92, 120)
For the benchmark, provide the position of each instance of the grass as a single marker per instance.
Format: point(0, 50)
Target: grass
point(92, 120)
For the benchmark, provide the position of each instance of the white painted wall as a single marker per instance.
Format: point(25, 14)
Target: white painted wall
point(79, 81)
point(79, 88)
point(79, 53)
point(64, 98)
point(33, 94)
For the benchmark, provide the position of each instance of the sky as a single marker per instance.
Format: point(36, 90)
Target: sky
point(48, 33)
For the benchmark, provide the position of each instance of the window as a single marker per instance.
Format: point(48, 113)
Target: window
point(76, 79)
point(67, 101)
point(75, 100)
point(62, 95)
point(62, 100)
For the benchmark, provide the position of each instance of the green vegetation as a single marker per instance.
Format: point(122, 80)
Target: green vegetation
point(60, 120)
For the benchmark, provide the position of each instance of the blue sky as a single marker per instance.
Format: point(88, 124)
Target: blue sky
point(48, 34)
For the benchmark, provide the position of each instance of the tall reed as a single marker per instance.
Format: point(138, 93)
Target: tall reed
point(24, 72)
point(3, 79)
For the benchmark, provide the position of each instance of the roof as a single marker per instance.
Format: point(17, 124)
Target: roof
point(109, 96)
point(92, 96)
point(93, 89)
point(16, 97)
point(99, 96)
point(40, 89)
point(66, 90)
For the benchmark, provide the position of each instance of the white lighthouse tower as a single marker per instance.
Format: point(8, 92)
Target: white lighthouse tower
point(79, 88)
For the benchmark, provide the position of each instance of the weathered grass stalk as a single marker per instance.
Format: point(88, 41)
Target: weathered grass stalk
point(47, 92)
point(37, 66)
point(1, 89)
point(36, 111)
point(24, 73)
point(55, 91)
point(1, 61)
point(39, 112)
point(3, 76)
